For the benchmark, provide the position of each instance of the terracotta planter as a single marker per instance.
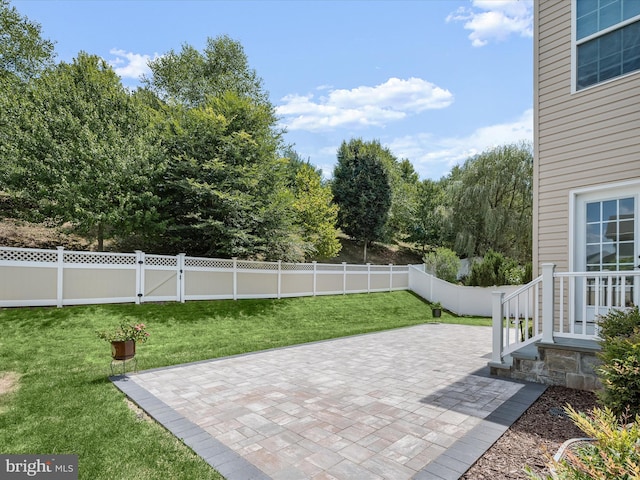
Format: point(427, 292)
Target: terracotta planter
point(123, 350)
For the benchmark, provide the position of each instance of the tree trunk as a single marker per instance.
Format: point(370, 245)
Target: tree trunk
point(365, 250)
point(100, 237)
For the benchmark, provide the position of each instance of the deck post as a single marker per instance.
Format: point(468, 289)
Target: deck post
point(548, 302)
point(498, 328)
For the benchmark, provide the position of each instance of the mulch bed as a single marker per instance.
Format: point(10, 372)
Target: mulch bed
point(534, 437)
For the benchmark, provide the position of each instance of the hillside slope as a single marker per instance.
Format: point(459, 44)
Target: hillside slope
point(15, 233)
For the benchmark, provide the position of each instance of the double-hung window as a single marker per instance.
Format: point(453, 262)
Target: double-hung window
point(607, 40)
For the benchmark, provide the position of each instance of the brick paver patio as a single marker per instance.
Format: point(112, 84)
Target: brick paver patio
point(413, 402)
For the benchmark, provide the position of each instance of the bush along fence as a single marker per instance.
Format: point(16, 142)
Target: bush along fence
point(34, 277)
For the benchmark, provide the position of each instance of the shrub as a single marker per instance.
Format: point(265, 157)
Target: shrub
point(443, 263)
point(619, 322)
point(495, 269)
point(620, 355)
point(614, 453)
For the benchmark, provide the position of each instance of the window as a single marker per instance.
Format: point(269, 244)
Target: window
point(607, 40)
point(610, 246)
point(610, 235)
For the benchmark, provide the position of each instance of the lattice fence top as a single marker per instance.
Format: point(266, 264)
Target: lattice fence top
point(90, 258)
point(9, 254)
point(207, 262)
point(247, 265)
point(160, 261)
point(39, 256)
point(305, 267)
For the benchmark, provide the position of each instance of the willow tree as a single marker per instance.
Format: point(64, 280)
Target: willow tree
point(362, 191)
point(491, 201)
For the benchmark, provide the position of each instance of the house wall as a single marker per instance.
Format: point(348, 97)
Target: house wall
point(581, 139)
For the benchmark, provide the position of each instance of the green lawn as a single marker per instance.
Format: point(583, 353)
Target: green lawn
point(65, 403)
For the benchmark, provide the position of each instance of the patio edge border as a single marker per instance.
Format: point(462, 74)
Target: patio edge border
point(457, 459)
point(227, 462)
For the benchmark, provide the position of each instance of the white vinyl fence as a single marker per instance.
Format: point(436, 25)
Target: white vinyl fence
point(475, 301)
point(33, 277)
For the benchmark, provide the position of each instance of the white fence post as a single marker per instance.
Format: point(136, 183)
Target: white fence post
point(548, 303)
point(498, 328)
point(235, 278)
point(315, 273)
point(60, 284)
point(279, 278)
point(368, 277)
point(139, 276)
point(390, 276)
point(344, 278)
point(181, 275)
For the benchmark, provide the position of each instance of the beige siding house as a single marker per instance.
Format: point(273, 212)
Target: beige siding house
point(586, 228)
point(587, 138)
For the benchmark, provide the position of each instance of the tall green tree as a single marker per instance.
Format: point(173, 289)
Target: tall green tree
point(85, 155)
point(316, 214)
point(23, 51)
point(24, 54)
point(491, 201)
point(362, 191)
point(430, 221)
point(224, 190)
point(189, 76)
point(404, 182)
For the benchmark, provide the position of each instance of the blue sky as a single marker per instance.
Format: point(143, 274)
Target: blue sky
point(435, 81)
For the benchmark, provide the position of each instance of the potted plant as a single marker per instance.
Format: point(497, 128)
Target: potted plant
point(124, 338)
point(436, 309)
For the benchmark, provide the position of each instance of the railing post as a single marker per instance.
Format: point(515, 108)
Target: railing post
point(498, 328)
point(368, 277)
point(390, 276)
point(60, 284)
point(548, 302)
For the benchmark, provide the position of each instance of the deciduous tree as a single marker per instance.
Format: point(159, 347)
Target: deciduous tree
point(23, 51)
point(189, 76)
point(362, 191)
point(316, 214)
point(85, 157)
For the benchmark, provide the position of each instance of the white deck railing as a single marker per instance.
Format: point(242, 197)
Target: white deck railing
point(558, 305)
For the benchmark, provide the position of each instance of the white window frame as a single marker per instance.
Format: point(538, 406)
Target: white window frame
point(575, 43)
point(577, 224)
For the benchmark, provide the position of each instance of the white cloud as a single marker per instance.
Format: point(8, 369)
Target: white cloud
point(362, 106)
point(433, 157)
point(495, 20)
point(130, 65)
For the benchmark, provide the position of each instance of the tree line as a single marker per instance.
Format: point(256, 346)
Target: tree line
point(193, 161)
